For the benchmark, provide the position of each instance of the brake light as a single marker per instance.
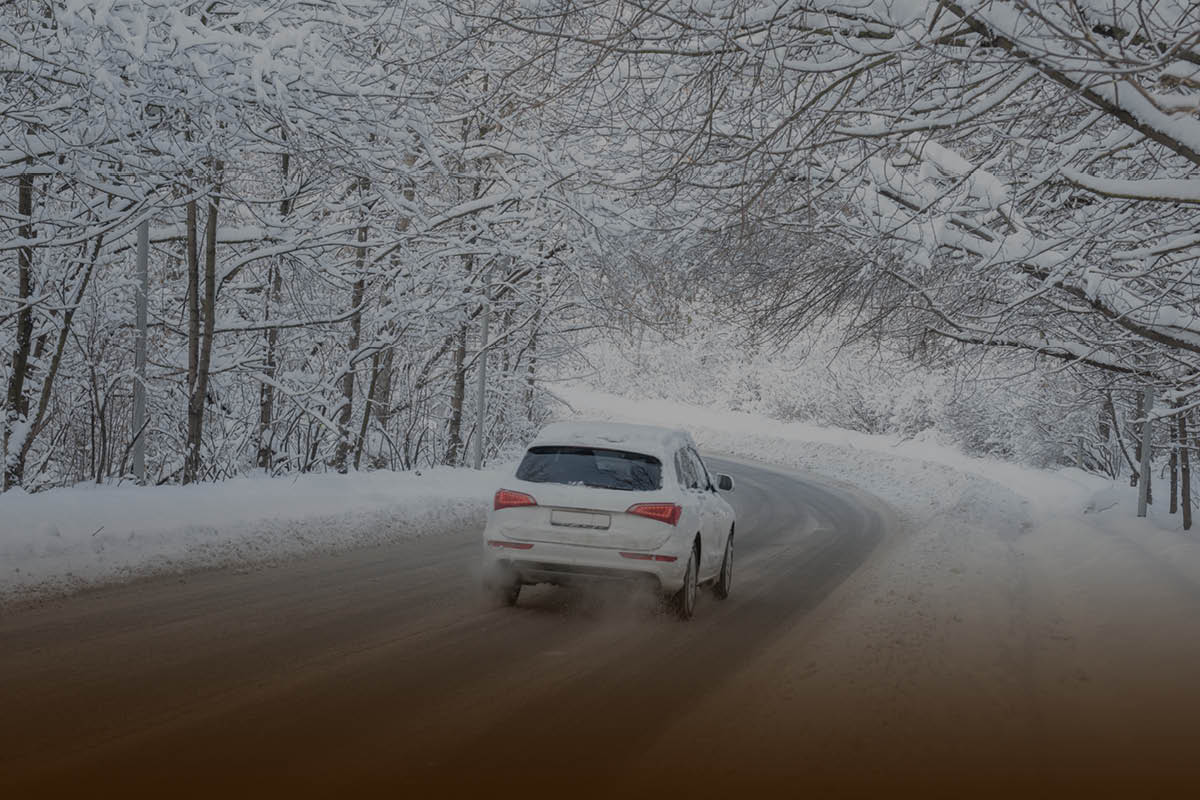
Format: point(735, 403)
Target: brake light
point(647, 557)
point(507, 498)
point(663, 512)
point(513, 545)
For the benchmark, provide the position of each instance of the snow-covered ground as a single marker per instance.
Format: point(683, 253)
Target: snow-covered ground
point(62, 539)
point(895, 468)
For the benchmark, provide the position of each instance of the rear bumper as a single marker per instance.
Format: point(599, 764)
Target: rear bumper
point(573, 564)
point(573, 574)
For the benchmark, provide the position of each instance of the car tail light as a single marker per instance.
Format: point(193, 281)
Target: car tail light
point(507, 498)
point(513, 545)
point(663, 512)
point(647, 557)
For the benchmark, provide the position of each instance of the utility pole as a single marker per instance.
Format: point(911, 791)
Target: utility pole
point(139, 357)
point(1144, 479)
point(481, 375)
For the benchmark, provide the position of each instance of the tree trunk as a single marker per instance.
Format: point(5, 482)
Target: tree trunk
point(206, 311)
point(531, 374)
point(64, 333)
point(192, 258)
point(369, 399)
point(15, 423)
point(1146, 451)
point(1111, 408)
point(102, 460)
point(1137, 442)
point(1174, 469)
point(382, 402)
point(1141, 440)
point(1185, 471)
point(458, 394)
point(266, 392)
point(346, 413)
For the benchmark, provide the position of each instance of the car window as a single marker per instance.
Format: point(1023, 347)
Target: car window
point(688, 477)
point(591, 466)
point(703, 481)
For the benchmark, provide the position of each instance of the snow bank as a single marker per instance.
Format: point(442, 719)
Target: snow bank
point(894, 468)
point(915, 474)
point(63, 539)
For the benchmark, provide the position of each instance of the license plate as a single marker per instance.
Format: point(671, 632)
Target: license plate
point(579, 519)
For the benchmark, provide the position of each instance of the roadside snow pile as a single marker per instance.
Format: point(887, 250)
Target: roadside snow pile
point(867, 387)
point(896, 469)
point(907, 472)
point(65, 539)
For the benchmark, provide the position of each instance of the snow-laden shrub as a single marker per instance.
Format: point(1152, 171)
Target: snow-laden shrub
point(1031, 417)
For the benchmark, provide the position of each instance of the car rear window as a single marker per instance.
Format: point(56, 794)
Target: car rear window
point(591, 466)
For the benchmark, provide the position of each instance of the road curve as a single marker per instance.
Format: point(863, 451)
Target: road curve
point(383, 666)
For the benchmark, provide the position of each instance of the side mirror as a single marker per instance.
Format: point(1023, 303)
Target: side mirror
point(725, 483)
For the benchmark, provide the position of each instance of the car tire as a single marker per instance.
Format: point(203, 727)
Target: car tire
point(725, 580)
point(684, 601)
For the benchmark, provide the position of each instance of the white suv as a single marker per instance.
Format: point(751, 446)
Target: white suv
point(605, 501)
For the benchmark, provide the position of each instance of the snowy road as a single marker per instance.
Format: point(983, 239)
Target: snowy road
point(383, 662)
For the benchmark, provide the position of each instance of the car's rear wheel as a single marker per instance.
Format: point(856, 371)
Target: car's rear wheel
point(725, 579)
point(684, 600)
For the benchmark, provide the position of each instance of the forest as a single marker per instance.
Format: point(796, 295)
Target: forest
point(290, 236)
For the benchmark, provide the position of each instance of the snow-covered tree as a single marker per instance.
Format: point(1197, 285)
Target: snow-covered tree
point(333, 189)
point(1026, 171)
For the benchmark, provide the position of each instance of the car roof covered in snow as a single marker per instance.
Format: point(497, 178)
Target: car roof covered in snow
point(648, 439)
